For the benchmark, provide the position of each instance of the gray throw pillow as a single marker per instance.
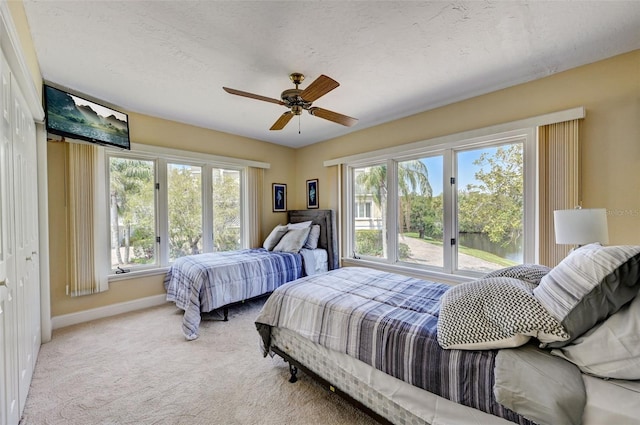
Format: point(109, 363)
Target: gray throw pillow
point(545, 389)
point(312, 239)
point(589, 285)
point(293, 240)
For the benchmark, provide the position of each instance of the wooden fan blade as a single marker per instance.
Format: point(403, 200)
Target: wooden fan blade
point(253, 96)
point(282, 121)
point(333, 116)
point(320, 86)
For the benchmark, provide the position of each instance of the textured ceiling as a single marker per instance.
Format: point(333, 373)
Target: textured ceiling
point(170, 59)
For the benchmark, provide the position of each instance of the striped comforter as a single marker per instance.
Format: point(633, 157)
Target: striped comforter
point(204, 282)
point(389, 322)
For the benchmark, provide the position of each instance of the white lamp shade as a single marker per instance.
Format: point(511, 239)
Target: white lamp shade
point(581, 226)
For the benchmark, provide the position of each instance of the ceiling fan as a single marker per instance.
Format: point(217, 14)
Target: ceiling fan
point(297, 100)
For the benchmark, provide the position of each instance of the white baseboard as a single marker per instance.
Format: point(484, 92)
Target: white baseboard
point(107, 311)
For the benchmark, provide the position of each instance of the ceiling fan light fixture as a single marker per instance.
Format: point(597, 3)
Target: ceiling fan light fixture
point(296, 78)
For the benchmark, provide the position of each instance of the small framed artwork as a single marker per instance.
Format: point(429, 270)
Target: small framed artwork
point(279, 197)
point(312, 193)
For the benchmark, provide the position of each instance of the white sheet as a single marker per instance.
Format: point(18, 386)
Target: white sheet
point(314, 261)
point(611, 401)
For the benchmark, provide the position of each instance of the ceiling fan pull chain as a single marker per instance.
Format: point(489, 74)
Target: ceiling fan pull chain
point(298, 124)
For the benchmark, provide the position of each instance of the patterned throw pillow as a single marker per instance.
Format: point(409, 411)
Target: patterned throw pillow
point(494, 312)
point(532, 273)
point(589, 285)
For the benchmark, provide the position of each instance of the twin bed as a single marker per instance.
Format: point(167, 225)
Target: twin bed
point(415, 352)
point(525, 344)
point(206, 282)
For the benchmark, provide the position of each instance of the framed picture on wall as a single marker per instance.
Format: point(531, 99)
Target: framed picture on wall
point(279, 197)
point(312, 193)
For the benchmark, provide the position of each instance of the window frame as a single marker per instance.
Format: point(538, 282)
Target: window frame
point(162, 157)
point(448, 150)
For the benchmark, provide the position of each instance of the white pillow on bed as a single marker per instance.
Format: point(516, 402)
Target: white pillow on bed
point(301, 225)
point(274, 237)
point(293, 240)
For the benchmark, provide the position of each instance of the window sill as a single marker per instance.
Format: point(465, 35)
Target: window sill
point(432, 275)
point(137, 273)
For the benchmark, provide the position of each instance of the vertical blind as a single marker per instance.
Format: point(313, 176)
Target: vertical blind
point(254, 205)
point(559, 184)
point(86, 215)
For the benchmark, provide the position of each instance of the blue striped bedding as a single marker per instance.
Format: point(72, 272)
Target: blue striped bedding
point(388, 321)
point(205, 282)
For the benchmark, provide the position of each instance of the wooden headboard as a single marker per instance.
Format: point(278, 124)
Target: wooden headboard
point(328, 232)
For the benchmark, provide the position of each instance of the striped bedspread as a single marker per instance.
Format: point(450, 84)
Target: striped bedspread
point(388, 321)
point(204, 282)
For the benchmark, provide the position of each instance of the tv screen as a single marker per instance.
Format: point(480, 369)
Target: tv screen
point(72, 116)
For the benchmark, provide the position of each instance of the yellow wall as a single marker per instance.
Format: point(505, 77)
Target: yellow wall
point(610, 92)
point(29, 53)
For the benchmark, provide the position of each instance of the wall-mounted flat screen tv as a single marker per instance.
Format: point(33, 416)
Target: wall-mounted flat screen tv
point(72, 116)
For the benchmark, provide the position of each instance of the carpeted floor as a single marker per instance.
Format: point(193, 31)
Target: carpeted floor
point(137, 368)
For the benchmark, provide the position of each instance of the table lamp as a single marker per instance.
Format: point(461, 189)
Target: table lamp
point(581, 226)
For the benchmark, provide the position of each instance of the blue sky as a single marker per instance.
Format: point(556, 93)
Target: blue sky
point(466, 169)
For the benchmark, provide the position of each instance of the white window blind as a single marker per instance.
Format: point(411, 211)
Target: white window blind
point(255, 177)
point(559, 171)
point(85, 214)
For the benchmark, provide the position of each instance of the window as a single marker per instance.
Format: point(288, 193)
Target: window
point(420, 215)
point(226, 210)
point(490, 207)
point(184, 195)
point(163, 208)
point(457, 208)
point(363, 209)
point(132, 212)
point(368, 226)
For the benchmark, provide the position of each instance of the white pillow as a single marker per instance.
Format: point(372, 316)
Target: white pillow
point(293, 240)
point(301, 225)
point(274, 237)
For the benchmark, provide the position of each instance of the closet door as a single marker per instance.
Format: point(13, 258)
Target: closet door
point(24, 172)
point(33, 241)
point(10, 412)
